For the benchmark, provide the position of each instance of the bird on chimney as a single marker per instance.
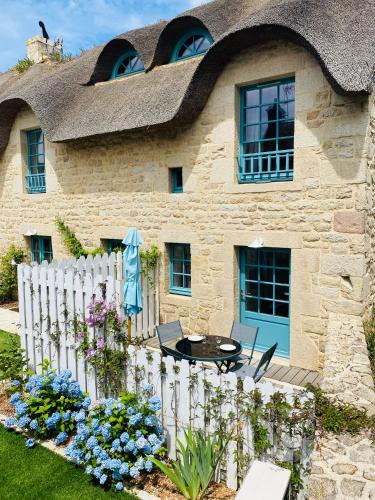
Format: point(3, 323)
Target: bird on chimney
point(44, 31)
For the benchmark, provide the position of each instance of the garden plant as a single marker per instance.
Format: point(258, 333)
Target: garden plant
point(119, 439)
point(51, 405)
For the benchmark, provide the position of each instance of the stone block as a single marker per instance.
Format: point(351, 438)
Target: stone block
point(352, 487)
point(343, 265)
point(344, 469)
point(349, 221)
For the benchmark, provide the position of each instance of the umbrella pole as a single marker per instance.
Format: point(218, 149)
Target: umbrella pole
point(129, 328)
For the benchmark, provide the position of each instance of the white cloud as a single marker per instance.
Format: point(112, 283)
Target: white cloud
point(81, 23)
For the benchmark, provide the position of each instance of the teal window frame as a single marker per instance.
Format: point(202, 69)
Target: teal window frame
point(128, 54)
point(196, 32)
point(270, 165)
point(40, 250)
point(36, 164)
point(180, 266)
point(112, 244)
point(177, 176)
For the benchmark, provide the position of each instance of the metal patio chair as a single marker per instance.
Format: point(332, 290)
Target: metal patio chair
point(170, 333)
point(243, 370)
point(244, 334)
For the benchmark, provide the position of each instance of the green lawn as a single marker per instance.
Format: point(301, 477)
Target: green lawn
point(4, 339)
point(39, 474)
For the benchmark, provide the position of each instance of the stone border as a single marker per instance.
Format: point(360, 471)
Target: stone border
point(50, 445)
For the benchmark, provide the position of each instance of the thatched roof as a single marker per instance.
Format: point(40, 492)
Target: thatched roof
point(71, 103)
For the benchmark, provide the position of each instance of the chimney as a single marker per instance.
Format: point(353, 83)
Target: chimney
point(39, 49)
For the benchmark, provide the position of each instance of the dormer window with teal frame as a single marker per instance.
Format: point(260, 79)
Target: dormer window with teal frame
point(127, 64)
point(36, 169)
point(267, 132)
point(192, 44)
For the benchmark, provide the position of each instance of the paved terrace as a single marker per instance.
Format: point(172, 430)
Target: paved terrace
point(279, 372)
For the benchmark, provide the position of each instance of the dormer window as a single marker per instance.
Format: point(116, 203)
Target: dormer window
point(127, 64)
point(192, 44)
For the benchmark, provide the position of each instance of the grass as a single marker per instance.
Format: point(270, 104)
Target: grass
point(39, 474)
point(4, 339)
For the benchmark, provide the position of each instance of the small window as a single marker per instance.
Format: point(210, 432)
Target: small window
point(180, 268)
point(127, 64)
point(41, 249)
point(267, 132)
point(114, 246)
point(36, 174)
point(193, 44)
point(176, 180)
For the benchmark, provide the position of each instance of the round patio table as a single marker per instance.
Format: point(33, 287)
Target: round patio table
point(209, 350)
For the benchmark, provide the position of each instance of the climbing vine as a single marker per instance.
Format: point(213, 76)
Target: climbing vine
point(149, 260)
point(72, 243)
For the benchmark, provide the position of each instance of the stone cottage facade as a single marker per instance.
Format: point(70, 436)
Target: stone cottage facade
point(272, 123)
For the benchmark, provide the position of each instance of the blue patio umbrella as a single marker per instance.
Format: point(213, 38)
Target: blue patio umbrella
point(132, 268)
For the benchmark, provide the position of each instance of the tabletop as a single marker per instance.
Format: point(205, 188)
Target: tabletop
point(208, 349)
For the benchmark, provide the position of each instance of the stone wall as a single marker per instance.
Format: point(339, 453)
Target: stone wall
point(346, 373)
point(370, 226)
point(343, 467)
point(104, 186)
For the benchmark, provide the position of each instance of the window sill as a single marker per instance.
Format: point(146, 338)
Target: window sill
point(184, 293)
point(262, 187)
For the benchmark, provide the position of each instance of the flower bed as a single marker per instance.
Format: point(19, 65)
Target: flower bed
point(117, 439)
point(50, 406)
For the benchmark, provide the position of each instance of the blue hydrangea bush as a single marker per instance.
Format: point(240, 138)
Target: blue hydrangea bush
point(50, 406)
point(118, 438)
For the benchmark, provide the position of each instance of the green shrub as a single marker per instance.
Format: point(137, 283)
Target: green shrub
point(370, 339)
point(336, 417)
point(23, 64)
point(194, 471)
point(12, 360)
point(72, 243)
point(8, 273)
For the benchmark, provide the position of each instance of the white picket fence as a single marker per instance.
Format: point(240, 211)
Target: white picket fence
point(186, 390)
point(52, 296)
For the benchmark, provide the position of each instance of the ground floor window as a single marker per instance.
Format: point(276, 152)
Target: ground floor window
point(180, 268)
point(41, 249)
point(265, 290)
point(114, 246)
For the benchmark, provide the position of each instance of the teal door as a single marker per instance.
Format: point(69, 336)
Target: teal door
point(264, 296)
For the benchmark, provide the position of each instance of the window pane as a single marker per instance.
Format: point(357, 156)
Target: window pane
point(269, 94)
point(282, 259)
point(282, 276)
point(252, 97)
point(177, 266)
point(286, 129)
point(266, 274)
point(269, 130)
point(287, 110)
point(252, 133)
point(269, 145)
point(250, 148)
point(285, 144)
point(251, 305)
point(251, 256)
point(178, 252)
point(282, 292)
point(187, 252)
point(187, 282)
point(178, 280)
point(266, 307)
point(252, 115)
point(266, 258)
point(187, 267)
point(282, 309)
point(287, 91)
point(266, 291)
point(252, 273)
point(252, 288)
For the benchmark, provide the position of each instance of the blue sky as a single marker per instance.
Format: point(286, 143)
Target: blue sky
point(81, 23)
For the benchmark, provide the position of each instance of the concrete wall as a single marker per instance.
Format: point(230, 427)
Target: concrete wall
point(103, 187)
